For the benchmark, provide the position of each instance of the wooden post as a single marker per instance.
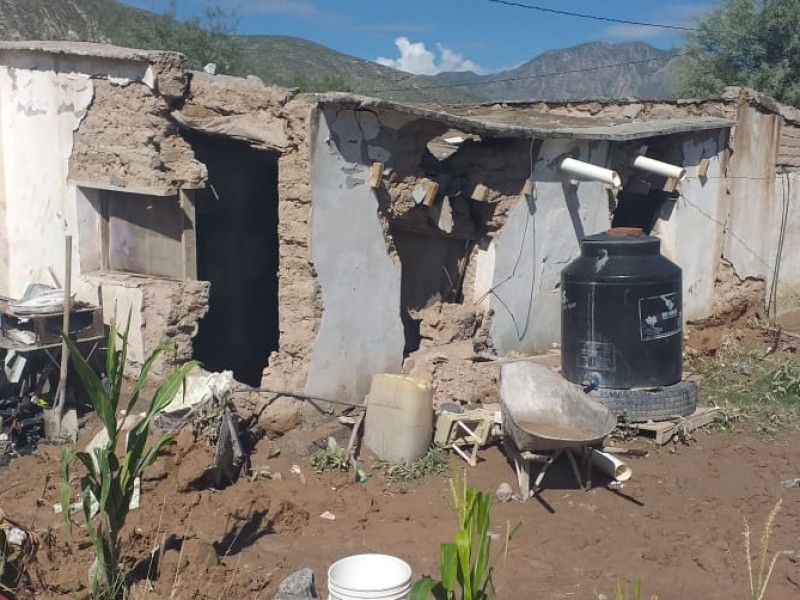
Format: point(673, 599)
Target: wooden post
point(189, 234)
point(53, 417)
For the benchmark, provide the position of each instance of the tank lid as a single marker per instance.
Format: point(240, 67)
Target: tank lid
point(620, 245)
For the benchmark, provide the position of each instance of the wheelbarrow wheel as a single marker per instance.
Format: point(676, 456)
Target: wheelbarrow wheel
point(659, 404)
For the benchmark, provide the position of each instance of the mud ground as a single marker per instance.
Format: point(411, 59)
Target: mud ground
point(676, 526)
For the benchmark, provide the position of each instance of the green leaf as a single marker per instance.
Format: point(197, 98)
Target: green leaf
point(448, 557)
point(94, 387)
point(483, 505)
point(168, 390)
point(144, 374)
point(67, 455)
point(423, 588)
point(106, 475)
point(463, 543)
point(87, 461)
point(153, 454)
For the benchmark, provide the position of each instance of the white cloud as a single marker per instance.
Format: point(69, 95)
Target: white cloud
point(416, 58)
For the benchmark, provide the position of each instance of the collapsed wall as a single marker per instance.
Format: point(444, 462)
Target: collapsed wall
point(135, 143)
point(459, 224)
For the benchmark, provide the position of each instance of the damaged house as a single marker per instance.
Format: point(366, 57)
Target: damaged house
point(307, 244)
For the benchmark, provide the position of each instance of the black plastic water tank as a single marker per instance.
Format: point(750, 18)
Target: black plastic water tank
point(621, 314)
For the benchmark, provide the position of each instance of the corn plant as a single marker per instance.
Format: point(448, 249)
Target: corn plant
point(108, 483)
point(465, 564)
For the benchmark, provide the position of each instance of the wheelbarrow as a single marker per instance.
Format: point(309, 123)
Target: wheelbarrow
point(545, 416)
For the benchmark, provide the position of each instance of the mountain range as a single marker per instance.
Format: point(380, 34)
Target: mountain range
point(591, 70)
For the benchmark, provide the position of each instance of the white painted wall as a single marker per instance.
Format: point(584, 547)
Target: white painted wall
point(754, 217)
point(39, 111)
point(692, 231)
point(360, 333)
point(540, 237)
point(43, 99)
point(786, 189)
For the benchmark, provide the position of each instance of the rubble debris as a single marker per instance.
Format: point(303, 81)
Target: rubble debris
point(792, 483)
point(504, 492)
point(229, 457)
point(296, 470)
point(21, 427)
point(467, 431)
point(300, 585)
point(38, 299)
point(201, 388)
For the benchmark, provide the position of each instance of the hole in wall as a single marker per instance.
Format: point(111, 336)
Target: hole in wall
point(432, 270)
point(237, 251)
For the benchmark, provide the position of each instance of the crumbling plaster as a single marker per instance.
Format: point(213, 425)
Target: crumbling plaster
point(540, 237)
point(692, 226)
point(45, 98)
point(361, 332)
point(39, 111)
point(128, 142)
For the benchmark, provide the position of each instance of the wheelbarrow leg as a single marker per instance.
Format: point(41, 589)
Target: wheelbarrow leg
point(575, 469)
point(521, 466)
point(548, 460)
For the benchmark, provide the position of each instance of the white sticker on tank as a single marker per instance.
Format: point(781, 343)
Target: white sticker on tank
point(659, 316)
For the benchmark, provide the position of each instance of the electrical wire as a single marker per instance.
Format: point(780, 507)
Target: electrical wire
point(566, 13)
point(772, 299)
point(786, 194)
point(530, 220)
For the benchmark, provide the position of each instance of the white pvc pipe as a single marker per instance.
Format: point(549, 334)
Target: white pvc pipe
point(659, 168)
point(611, 466)
point(589, 171)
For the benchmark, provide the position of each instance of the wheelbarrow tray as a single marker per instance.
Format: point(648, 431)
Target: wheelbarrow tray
point(542, 411)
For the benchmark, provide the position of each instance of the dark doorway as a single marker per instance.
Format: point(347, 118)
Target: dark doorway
point(237, 251)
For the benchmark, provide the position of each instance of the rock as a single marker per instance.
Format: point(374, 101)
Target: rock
point(504, 493)
point(282, 415)
point(299, 585)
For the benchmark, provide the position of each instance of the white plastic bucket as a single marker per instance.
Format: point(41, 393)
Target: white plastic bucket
point(369, 576)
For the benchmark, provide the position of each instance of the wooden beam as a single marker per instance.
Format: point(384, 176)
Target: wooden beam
point(480, 193)
point(105, 251)
point(376, 175)
point(189, 234)
point(702, 167)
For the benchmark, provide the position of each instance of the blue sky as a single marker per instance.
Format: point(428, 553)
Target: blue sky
point(434, 35)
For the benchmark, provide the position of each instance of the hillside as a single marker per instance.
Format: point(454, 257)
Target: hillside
point(291, 61)
point(295, 62)
point(581, 77)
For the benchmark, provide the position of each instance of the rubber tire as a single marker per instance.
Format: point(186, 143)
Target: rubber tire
point(661, 404)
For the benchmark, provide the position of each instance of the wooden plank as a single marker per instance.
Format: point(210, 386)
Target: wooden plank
point(189, 234)
point(663, 431)
point(104, 233)
point(480, 193)
point(110, 187)
point(702, 167)
point(376, 175)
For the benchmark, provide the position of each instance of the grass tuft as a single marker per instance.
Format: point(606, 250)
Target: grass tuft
point(752, 390)
point(435, 462)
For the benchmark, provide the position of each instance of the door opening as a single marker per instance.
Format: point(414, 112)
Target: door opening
point(237, 251)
